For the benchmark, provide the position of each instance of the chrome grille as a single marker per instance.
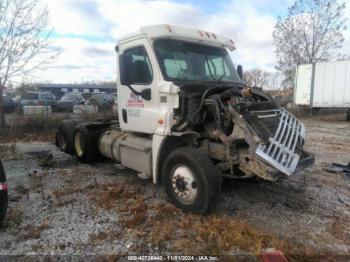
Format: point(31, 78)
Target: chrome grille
point(280, 149)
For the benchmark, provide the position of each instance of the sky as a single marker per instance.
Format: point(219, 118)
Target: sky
point(86, 31)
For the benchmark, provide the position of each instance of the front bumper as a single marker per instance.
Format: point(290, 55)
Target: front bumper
point(270, 172)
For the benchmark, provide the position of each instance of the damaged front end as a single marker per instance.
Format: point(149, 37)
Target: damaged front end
point(244, 131)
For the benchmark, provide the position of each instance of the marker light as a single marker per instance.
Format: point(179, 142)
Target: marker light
point(169, 28)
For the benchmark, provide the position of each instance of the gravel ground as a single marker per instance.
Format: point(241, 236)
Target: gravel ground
point(60, 207)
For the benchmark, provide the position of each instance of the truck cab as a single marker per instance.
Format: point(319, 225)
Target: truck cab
point(157, 61)
point(186, 120)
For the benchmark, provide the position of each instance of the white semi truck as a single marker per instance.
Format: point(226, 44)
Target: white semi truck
point(185, 119)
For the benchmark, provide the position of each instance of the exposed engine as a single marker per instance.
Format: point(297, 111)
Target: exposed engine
point(243, 128)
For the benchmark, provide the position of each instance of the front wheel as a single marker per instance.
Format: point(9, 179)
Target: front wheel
point(191, 181)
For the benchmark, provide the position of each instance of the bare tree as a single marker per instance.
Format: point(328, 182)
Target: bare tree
point(24, 41)
point(310, 33)
point(256, 77)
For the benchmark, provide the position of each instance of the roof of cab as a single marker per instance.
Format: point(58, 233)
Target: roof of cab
point(181, 33)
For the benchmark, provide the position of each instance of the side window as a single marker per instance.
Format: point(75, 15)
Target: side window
point(139, 65)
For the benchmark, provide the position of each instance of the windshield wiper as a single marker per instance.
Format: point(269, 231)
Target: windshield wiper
point(221, 77)
point(211, 74)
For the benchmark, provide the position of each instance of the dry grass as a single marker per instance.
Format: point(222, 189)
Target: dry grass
point(168, 228)
point(96, 238)
point(340, 229)
point(42, 127)
point(33, 232)
point(7, 150)
point(20, 189)
point(13, 217)
point(30, 128)
point(109, 236)
point(13, 138)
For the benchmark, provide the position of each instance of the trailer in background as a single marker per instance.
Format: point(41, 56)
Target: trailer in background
point(323, 85)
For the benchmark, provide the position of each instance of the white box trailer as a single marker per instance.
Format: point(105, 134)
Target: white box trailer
point(323, 85)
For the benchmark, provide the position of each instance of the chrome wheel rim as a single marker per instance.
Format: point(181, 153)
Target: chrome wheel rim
point(184, 184)
point(79, 144)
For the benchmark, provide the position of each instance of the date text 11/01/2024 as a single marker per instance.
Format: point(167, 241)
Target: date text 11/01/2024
point(173, 258)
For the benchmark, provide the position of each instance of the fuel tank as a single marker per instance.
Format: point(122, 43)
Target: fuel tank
point(132, 151)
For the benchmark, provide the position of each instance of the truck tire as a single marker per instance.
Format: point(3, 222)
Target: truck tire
point(191, 181)
point(86, 143)
point(3, 194)
point(64, 136)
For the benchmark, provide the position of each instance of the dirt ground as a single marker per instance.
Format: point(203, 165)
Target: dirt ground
point(60, 207)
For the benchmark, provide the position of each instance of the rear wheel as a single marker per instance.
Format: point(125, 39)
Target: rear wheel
point(3, 194)
point(64, 136)
point(86, 143)
point(62, 139)
point(191, 181)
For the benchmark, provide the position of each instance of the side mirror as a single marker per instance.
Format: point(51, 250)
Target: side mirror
point(146, 94)
point(240, 71)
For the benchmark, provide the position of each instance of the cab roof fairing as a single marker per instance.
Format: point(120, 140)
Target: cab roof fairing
point(181, 33)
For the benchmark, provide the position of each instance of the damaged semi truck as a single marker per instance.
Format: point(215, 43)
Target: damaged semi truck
point(186, 120)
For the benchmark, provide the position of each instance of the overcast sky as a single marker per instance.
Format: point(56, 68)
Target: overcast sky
point(87, 31)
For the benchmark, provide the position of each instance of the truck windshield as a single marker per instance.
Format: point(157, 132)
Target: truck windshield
point(185, 61)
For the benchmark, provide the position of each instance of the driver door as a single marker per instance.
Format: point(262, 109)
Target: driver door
point(135, 112)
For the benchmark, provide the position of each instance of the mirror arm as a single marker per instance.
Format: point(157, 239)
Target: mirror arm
point(133, 90)
point(138, 93)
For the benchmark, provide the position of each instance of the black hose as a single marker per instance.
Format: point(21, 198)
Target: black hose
point(205, 94)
